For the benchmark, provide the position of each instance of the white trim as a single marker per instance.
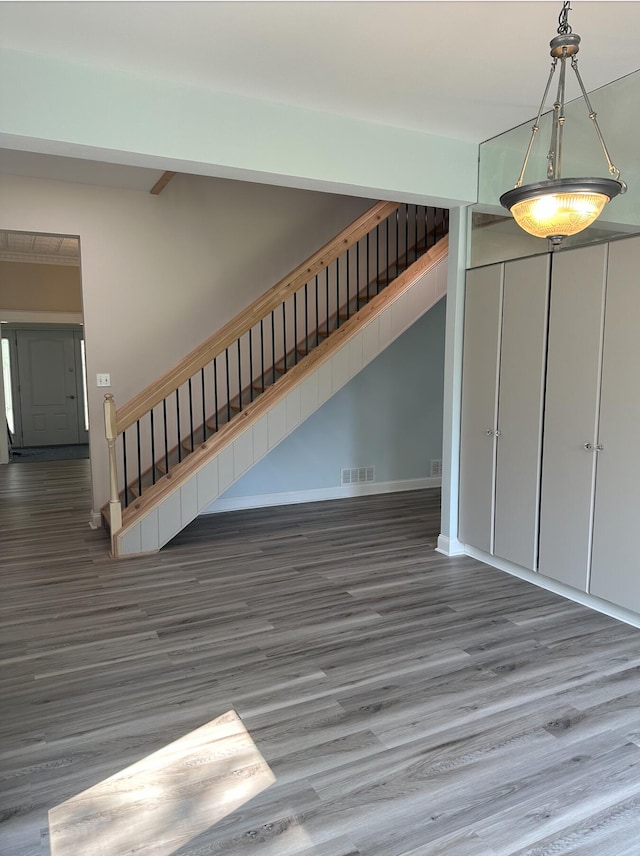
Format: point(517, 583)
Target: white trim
point(452, 399)
point(26, 316)
point(95, 520)
point(4, 440)
point(236, 503)
point(39, 259)
point(561, 589)
point(450, 546)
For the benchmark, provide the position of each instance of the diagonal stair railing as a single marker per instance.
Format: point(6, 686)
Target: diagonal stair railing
point(152, 435)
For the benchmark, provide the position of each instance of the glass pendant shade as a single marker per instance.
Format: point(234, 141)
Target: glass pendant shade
point(559, 208)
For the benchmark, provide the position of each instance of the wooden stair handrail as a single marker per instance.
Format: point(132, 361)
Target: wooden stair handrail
point(203, 452)
point(135, 408)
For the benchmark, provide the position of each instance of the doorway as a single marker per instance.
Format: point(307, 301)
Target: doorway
point(45, 392)
point(42, 383)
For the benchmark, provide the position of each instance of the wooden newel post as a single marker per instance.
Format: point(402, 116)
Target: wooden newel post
point(111, 433)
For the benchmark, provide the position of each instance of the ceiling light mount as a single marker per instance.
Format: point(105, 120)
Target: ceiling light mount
point(559, 207)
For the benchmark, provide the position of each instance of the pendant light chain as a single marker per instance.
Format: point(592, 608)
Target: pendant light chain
point(564, 27)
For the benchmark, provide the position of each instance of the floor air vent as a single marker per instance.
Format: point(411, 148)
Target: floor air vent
point(358, 475)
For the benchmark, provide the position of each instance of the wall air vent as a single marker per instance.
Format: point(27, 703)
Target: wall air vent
point(357, 475)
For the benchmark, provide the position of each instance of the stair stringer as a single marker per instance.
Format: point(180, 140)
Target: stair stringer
point(178, 499)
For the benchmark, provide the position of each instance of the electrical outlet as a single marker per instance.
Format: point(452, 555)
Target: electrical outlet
point(103, 379)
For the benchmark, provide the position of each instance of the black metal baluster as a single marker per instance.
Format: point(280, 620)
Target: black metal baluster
point(139, 457)
point(153, 449)
point(406, 236)
point(348, 277)
point(239, 377)
point(178, 424)
point(226, 359)
point(358, 276)
point(387, 266)
point(338, 292)
point(251, 364)
point(326, 278)
point(295, 327)
point(166, 435)
point(273, 345)
point(306, 317)
point(415, 225)
point(215, 390)
point(397, 240)
point(368, 261)
point(378, 259)
point(317, 324)
point(124, 469)
point(284, 335)
point(262, 350)
point(204, 406)
point(191, 415)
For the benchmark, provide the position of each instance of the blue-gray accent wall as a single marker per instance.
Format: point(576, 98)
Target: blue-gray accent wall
point(389, 417)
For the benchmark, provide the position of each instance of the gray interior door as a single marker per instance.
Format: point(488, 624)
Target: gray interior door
point(50, 387)
point(480, 366)
point(520, 409)
point(571, 413)
point(614, 568)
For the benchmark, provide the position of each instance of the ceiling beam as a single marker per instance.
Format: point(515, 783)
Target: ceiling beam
point(162, 182)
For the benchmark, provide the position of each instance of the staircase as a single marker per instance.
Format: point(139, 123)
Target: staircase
point(184, 440)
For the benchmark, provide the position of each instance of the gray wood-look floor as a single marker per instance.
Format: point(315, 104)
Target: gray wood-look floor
point(311, 680)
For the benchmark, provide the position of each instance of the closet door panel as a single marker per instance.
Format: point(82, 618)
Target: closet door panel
point(480, 362)
point(571, 413)
point(520, 407)
point(615, 571)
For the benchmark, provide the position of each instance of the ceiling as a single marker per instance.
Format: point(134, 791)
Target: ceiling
point(468, 70)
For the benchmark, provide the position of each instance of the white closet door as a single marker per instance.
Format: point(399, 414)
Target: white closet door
point(520, 408)
point(615, 575)
point(480, 364)
point(578, 281)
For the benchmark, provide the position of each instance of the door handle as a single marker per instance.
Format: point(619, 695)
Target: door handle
point(71, 396)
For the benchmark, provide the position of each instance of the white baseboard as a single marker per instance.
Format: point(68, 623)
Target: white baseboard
point(450, 546)
point(563, 590)
point(237, 503)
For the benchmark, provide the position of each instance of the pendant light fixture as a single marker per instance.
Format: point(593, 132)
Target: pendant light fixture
point(559, 207)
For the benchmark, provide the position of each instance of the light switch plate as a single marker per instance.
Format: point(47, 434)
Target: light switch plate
point(103, 379)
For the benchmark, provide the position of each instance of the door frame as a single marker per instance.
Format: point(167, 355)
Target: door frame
point(8, 330)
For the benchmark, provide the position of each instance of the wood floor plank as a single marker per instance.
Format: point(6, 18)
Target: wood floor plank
point(402, 703)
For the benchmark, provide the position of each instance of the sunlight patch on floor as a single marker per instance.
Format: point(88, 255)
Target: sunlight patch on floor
point(163, 801)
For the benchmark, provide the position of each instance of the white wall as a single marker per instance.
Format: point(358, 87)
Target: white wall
point(122, 117)
point(389, 417)
point(161, 273)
